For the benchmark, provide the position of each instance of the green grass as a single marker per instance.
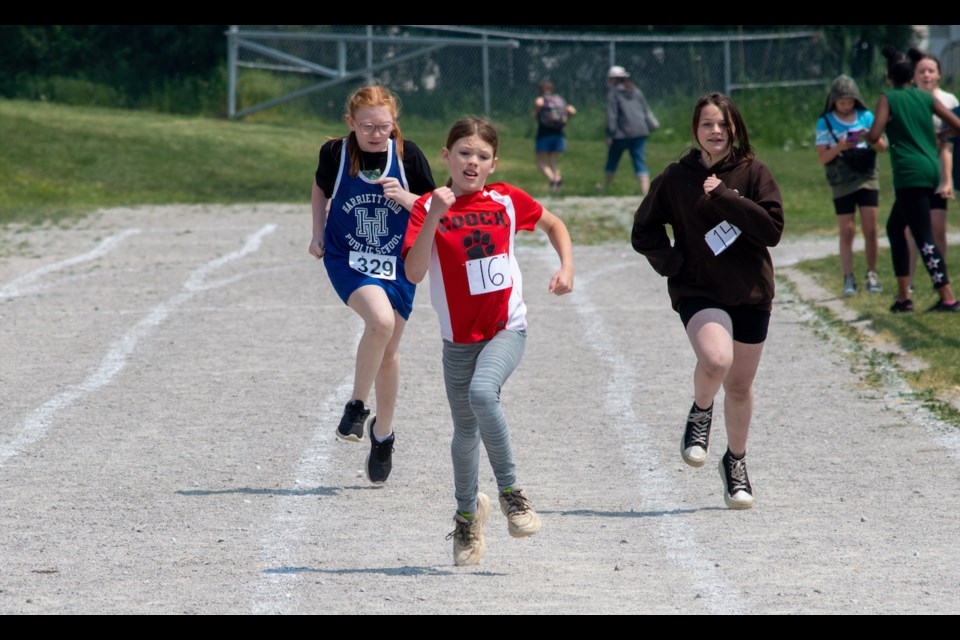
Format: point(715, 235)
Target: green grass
point(62, 161)
point(932, 337)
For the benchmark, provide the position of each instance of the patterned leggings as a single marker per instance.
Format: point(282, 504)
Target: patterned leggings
point(473, 375)
point(912, 209)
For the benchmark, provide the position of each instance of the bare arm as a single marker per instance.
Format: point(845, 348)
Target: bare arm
point(556, 230)
point(319, 204)
point(880, 117)
point(827, 154)
point(417, 260)
point(537, 106)
point(394, 190)
point(946, 170)
point(947, 116)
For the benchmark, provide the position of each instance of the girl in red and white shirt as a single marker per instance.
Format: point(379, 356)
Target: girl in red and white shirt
point(476, 290)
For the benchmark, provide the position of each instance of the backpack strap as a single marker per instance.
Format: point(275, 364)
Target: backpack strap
point(826, 118)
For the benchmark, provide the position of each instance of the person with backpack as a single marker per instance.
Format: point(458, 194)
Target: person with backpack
point(551, 112)
point(851, 168)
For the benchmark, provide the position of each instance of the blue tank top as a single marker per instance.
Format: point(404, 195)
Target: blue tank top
point(360, 218)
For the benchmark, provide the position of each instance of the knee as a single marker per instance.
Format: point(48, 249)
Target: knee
point(484, 398)
point(715, 365)
point(738, 391)
point(381, 325)
point(391, 358)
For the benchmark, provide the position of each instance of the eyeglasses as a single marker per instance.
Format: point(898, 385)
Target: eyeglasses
point(368, 127)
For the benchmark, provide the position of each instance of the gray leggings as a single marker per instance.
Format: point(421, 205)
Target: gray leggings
point(473, 375)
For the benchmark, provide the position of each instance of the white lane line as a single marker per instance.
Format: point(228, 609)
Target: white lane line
point(295, 517)
point(655, 485)
point(37, 422)
point(16, 287)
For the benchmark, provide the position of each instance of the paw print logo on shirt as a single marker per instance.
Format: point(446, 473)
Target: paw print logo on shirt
point(478, 245)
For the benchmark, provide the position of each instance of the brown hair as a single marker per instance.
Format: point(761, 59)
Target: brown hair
point(473, 126)
point(736, 127)
point(371, 96)
point(545, 86)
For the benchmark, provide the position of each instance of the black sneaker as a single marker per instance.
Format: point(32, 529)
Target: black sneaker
point(943, 306)
point(354, 421)
point(696, 436)
point(737, 492)
point(901, 306)
point(379, 460)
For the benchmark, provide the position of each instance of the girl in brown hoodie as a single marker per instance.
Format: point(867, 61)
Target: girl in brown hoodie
point(724, 208)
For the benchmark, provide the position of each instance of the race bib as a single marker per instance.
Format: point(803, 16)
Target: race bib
point(489, 274)
point(374, 265)
point(722, 236)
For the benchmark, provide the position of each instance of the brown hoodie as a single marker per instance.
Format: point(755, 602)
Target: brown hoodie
point(747, 197)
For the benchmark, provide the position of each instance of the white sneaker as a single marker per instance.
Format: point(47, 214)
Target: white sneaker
point(468, 542)
point(522, 520)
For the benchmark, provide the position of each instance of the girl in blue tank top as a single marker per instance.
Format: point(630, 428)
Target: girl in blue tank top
point(365, 186)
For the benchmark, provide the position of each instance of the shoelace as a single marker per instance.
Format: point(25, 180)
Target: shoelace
point(738, 476)
point(382, 450)
point(516, 501)
point(701, 421)
point(463, 532)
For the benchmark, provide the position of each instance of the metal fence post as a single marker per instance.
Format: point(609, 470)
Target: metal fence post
point(370, 53)
point(727, 76)
point(486, 76)
point(232, 71)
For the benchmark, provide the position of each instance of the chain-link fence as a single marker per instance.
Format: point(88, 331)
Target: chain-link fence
point(442, 72)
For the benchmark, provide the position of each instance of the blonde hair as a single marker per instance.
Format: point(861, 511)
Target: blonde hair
point(371, 96)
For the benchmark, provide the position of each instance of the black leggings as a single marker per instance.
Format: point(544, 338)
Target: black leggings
point(912, 209)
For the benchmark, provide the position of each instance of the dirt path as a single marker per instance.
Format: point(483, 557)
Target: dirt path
point(170, 382)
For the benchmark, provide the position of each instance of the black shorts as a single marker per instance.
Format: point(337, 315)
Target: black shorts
point(937, 201)
point(861, 197)
point(749, 323)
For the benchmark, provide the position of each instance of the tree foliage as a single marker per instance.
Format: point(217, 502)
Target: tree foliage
point(132, 58)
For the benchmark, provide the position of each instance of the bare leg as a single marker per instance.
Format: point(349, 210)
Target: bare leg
point(546, 167)
point(644, 184)
point(711, 335)
point(738, 395)
point(868, 224)
point(848, 229)
point(912, 248)
point(371, 303)
point(388, 381)
point(554, 161)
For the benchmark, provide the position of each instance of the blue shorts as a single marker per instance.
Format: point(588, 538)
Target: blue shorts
point(345, 281)
point(551, 144)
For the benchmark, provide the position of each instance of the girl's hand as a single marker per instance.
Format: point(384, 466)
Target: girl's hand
point(711, 183)
point(442, 199)
point(392, 189)
point(945, 191)
point(845, 143)
point(317, 250)
point(561, 282)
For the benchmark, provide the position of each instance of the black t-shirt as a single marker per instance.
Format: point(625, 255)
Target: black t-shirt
point(415, 166)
